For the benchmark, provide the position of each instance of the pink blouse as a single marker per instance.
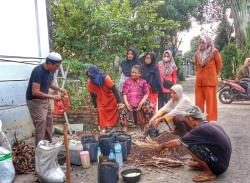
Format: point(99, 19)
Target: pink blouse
point(135, 91)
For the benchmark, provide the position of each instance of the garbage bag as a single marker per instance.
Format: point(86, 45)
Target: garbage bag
point(7, 170)
point(47, 168)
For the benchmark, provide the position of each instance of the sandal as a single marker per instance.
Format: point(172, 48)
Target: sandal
point(203, 178)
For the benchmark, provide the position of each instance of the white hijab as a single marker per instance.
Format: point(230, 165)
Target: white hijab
point(178, 107)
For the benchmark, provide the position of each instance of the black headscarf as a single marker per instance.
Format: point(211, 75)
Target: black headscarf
point(151, 74)
point(127, 65)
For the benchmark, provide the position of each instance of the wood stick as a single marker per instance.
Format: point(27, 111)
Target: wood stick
point(68, 171)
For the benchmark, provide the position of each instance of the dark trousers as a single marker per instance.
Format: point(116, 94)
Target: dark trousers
point(163, 98)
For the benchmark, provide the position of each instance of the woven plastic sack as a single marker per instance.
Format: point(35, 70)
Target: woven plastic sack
point(47, 167)
point(7, 170)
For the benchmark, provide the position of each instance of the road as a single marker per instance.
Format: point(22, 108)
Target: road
point(234, 118)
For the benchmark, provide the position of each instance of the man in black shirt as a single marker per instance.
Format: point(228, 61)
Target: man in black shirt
point(208, 144)
point(38, 97)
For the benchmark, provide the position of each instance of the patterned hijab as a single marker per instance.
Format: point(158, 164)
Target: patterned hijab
point(96, 76)
point(168, 64)
point(206, 55)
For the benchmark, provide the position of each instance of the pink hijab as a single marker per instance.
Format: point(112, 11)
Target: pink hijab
point(168, 64)
point(206, 55)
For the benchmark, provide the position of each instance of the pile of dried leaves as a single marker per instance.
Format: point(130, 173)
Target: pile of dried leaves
point(23, 158)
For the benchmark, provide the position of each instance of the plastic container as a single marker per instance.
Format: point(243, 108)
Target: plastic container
point(131, 175)
point(105, 143)
point(128, 138)
point(92, 147)
point(98, 154)
point(118, 154)
point(111, 155)
point(75, 147)
point(123, 143)
point(85, 159)
point(87, 139)
point(108, 172)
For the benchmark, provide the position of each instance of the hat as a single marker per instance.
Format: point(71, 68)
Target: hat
point(54, 57)
point(195, 112)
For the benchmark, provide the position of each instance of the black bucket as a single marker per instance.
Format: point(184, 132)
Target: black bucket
point(105, 143)
point(126, 137)
point(117, 133)
point(108, 172)
point(92, 147)
point(87, 139)
point(124, 149)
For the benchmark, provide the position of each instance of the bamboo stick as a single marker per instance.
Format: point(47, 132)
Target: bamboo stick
point(68, 171)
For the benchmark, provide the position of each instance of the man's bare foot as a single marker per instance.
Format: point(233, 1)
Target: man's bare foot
point(204, 176)
point(194, 165)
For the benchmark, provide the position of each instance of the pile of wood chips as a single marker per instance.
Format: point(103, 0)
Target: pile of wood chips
point(23, 158)
point(142, 154)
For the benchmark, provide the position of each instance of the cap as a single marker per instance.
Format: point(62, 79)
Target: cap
point(54, 57)
point(195, 112)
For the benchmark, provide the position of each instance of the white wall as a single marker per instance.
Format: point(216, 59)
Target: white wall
point(23, 32)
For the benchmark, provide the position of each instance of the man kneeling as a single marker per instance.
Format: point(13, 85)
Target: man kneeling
point(208, 144)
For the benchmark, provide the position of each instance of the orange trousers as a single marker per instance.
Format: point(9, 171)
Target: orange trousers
point(207, 95)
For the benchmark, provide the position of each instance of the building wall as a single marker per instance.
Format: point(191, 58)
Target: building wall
point(23, 44)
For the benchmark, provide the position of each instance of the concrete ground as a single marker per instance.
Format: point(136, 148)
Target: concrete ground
point(235, 119)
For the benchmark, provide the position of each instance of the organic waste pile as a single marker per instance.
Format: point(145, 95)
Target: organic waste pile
point(142, 154)
point(23, 158)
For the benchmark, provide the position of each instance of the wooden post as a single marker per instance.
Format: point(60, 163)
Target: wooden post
point(68, 171)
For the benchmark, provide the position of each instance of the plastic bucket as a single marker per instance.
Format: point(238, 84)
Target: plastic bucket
point(87, 139)
point(128, 139)
point(105, 143)
point(92, 148)
point(108, 172)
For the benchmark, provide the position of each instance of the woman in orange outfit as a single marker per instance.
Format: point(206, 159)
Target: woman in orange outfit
point(208, 66)
point(105, 97)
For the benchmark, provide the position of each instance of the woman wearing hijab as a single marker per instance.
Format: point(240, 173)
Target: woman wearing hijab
point(244, 71)
point(208, 66)
point(168, 73)
point(151, 74)
point(177, 105)
point(105, 97)
point(126, 66)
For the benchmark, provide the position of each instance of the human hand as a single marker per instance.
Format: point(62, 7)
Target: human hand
point(120, 105)
point(129, 107)
point(63, 91)
point(139, 106)
point(157, 147)
point(56, 97)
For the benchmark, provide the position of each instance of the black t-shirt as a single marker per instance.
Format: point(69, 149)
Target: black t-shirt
point(43, 77)
point(214, 138)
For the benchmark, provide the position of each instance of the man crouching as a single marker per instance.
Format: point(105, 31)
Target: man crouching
point(208, 144)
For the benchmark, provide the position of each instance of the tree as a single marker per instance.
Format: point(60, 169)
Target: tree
point(94, 32)
point(223, 36)
point(231, 60)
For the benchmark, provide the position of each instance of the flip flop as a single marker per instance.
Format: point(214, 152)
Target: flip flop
point(203, 178)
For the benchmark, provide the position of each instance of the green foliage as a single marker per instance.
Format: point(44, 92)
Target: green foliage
point(223, 34)
point(231, 57)
point(181, 10)
point(180, 72)
point(97, 32)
